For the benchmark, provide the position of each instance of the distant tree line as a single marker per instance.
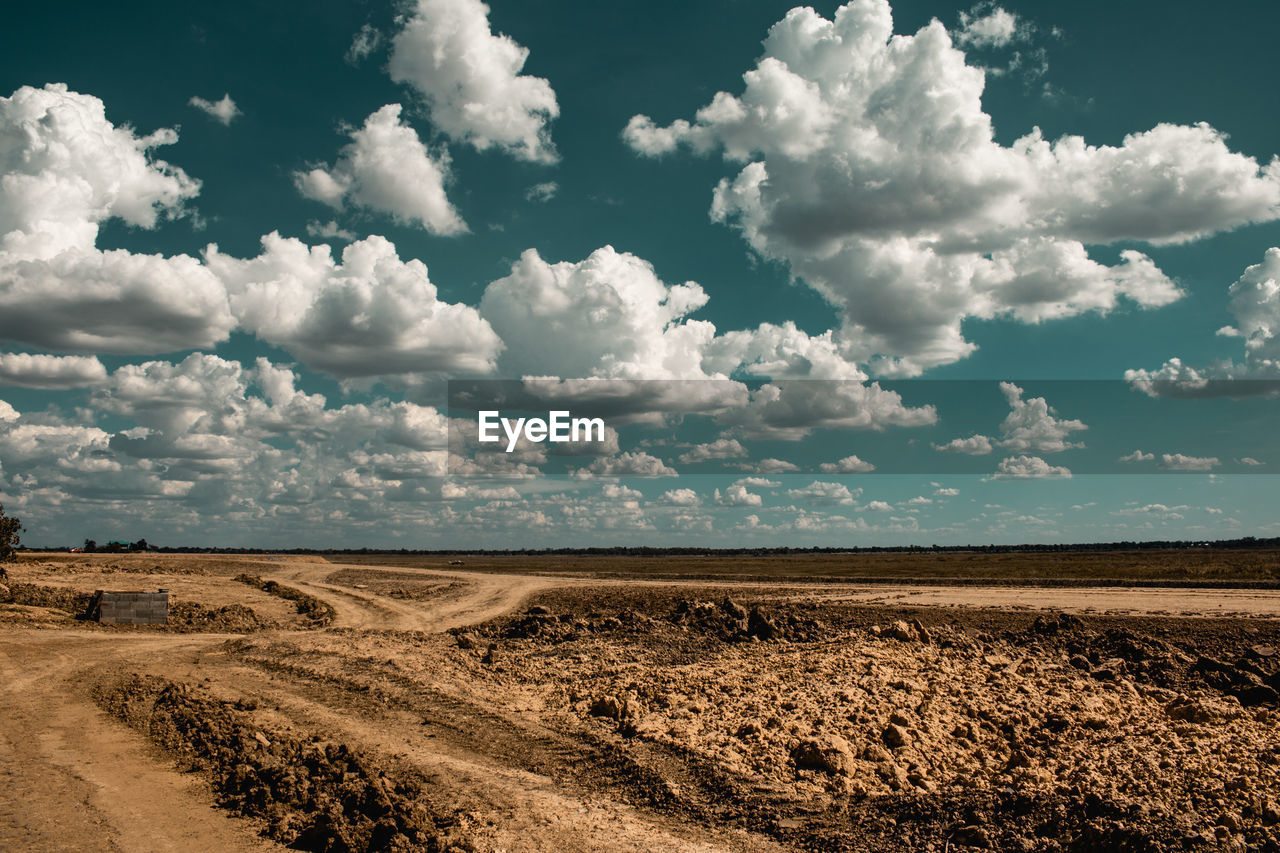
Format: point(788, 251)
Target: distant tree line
point(1243, 543)
point(116, 547)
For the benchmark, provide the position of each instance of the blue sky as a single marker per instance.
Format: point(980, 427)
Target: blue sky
point(879, 213)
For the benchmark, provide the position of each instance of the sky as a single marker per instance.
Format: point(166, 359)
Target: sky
point(857, 275)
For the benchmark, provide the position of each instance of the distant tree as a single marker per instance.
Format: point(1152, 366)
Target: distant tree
point(140, 545)
point(9, 530)
point(90, 546)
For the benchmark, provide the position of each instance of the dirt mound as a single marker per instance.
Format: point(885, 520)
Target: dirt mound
point(314, 795)
point(732, 622)
point(189, 617)
point(727, 621)
point(318, 613)
point(57, 597)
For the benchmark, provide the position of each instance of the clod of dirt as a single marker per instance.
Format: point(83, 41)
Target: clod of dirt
point(826, 753)
point(609, 707)
point(895, 736)
point(973, 836)
point(900, 630)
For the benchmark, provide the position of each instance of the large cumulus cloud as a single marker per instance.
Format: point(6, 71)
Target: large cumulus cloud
point(387, 168)
point(65, 169)
point(471, 80)
point(369, 314)
point(872, 169)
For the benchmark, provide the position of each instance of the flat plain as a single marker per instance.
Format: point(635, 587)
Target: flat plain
point(921, 701)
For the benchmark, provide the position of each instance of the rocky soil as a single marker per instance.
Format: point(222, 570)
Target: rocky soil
point(930, 729)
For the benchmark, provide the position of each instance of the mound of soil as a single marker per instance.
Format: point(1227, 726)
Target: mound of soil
point(57, 597)
point(318, 613)
point(188, 617)
point(314, 795)
point(847, 727)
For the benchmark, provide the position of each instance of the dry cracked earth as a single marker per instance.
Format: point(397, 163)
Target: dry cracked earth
point(293, 702)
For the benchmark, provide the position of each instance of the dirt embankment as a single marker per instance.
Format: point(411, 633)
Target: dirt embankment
point(318, 613)
point(313, 794)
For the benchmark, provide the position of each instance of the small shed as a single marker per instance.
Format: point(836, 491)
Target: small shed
point(130, 608)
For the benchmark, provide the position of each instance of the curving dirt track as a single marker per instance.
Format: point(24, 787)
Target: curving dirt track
point(76, 779)
point(384, 677)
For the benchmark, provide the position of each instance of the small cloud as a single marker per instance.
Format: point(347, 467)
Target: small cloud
point(920, 500)
point(757, 483)
point(1028, 468)
point(1156, 511)
point(975, 445)
point(990, 26)
point(723, 448)
point(770, 466)
point(619, 492)
point(363, 44)
point(847, 465)
point(878, 506)
point(945, 493)
point(1137, 456)
point(1250, 461)
point(1033, 425)
point(680, 497)
point(224, 110)
point(1182, 462)
point(736, 495)
point(543, 192)
point(819, 493)
point(626, 465)
point(329, 231)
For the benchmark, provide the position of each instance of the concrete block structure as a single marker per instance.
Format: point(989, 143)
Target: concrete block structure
point(131, 608)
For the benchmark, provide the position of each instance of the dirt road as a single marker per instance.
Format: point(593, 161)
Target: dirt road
point(76, 779)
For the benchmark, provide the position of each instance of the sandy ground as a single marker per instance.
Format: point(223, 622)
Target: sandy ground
point(508, 728)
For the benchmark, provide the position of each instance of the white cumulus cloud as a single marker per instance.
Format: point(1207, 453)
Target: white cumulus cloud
point(737, 495)
point(847, 465)
point(471, 80)
point(607, 316)
point(680, 497)
point(872, 169)
point(1254, 300)
point(66, 170)
point(1028, 468)
point(721, 448)
point(974, 445)
point(819, 493)
point(628, 464)
point(27, 370)
point(387, 168)
point(369, 314)
point(1183, 462)
point(1033, 424)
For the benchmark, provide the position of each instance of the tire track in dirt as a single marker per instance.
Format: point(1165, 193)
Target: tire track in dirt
point(484, 597)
